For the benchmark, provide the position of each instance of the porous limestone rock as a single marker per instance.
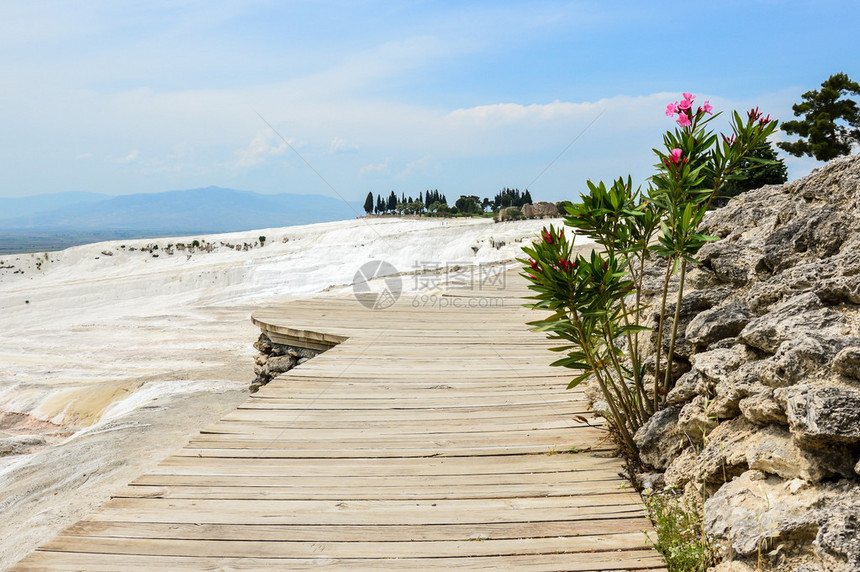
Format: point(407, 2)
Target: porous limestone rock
point(725, 454)
point(694, 422)
point(734, 566)
point(682, 470)
point(718, 323)
point(688, 386)
point(659, 440)
point(838, 540)
point(847, 362)
point(761, 408)
point(275, 359)
point(794, 317)
point(775, 452)
point(754, 511)
point(828, 415)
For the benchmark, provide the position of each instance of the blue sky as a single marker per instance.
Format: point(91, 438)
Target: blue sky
point(466, 97)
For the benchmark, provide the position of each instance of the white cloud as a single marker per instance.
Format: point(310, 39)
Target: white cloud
point(260, 149)
point(131, 157)
point(375, 169)
point(341, 145)
point(506, 113)
point(413, 167)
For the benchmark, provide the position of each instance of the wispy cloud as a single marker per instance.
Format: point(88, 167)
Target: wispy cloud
point(375, 169)
point(506, 113)
point(131, 157)
point(264, 146)
point(413, 167)
point(340, 145)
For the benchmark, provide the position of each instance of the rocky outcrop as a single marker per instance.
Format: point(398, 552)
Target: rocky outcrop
point(770, 403)
point(19, 444)
point(536, 210)
point(275, 359)
point(540, 210)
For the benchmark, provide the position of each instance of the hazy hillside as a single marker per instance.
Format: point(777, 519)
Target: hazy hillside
point(52, 222)
point(213, 209)
point(15, 207)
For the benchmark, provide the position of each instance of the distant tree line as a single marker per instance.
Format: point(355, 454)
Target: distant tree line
point(434, 203)
point(512, 198)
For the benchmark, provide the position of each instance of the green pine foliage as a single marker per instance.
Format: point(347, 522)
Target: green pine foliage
point(830, 122)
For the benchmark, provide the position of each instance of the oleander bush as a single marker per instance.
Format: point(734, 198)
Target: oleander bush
point(592, 304)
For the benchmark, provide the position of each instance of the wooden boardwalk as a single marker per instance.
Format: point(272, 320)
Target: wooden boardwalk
point(430, 437)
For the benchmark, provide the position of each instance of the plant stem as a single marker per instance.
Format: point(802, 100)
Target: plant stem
point(619, 424)
point(675, 321)
point(634, 417)
point(659, 349)
point(634, 362)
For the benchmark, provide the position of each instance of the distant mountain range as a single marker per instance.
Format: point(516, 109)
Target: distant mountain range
point(60, 220)
point(209, 210)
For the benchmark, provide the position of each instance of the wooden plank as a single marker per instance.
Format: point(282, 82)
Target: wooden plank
point(426, 439)
point(416, 484)
point(642, 559)
point(239, 491)
point(359, 533)
point(390, 512)
point(428, 468)
point(252, 548)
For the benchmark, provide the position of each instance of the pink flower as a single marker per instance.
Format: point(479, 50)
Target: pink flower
point(685, 105)
point(753, 114)
point(676, 155)
point(670, 109)
point(547, 237)
point(707, 108)
point(684, 120)
point(688, 97)
point(564, 264)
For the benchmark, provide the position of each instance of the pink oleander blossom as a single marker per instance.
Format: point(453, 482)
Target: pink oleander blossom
point(684, 120)
point(670, 109)
point(564, 265)
point(676, 155)
point(707, 108)
point(548, 237)
point(688, 97)
point(685, 105)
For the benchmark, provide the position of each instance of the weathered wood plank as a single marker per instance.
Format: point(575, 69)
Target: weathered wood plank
point(643, 559)
point(427, 439)
point(250, 547)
